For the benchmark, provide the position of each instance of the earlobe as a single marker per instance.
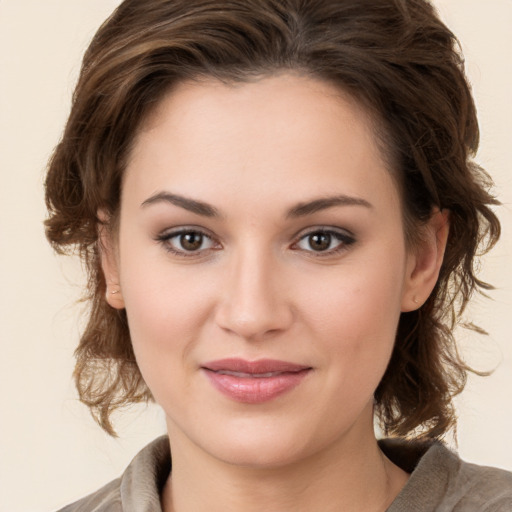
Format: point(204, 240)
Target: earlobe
point(425, 261)
point(109, 263)
point(114, 297)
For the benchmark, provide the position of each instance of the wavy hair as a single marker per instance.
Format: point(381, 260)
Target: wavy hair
point(395, 57)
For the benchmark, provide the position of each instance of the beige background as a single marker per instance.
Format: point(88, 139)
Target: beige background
point(50, 450)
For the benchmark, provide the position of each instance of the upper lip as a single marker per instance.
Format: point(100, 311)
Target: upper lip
point(253, 367)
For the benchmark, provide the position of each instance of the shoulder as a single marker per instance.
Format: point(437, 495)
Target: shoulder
point(485, 488)
point(106, 499)
point(137, 489)
point(441, 482)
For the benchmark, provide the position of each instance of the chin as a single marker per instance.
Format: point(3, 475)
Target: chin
point(265, 442)
point(260, 452)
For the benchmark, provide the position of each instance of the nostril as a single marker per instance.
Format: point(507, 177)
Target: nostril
point(254, 303)
point(260, 323)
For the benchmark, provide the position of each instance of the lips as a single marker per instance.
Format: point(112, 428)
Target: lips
point(254, 382)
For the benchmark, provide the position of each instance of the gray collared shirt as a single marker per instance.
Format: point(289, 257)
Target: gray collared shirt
point(440, 482)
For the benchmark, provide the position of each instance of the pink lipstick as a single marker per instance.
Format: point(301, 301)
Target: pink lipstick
point(254, 382)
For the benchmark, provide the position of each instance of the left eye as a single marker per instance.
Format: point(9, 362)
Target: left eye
point(324, 241)
point(188, 242)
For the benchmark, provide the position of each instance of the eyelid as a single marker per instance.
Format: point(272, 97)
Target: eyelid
point(166, 235)
point(345, 237)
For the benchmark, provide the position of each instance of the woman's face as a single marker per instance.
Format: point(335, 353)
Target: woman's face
point(262, 264)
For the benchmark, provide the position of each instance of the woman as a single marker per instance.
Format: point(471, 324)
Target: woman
point(279, 212)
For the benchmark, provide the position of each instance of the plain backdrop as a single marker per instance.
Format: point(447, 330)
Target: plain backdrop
point(51, 452)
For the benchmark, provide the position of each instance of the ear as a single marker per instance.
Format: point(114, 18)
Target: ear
point(425, 260)
point(109, 262)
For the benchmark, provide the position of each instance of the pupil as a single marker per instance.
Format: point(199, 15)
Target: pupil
point(320, 241)
point(191, 241)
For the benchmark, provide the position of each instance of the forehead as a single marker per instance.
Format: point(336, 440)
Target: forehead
point(277, 95)
point(254, 137)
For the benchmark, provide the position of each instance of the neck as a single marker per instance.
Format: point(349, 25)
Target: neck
point(349, 476)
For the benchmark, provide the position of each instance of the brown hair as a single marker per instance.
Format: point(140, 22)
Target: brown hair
point(394, 56)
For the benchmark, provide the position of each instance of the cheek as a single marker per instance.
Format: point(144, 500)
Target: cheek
point(165, 310)
point(355, 317)
point(359, 298)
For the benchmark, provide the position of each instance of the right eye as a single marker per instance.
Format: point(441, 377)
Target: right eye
point(187, 242)
point(324, 242)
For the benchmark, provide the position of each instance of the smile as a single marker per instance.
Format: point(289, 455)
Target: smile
point(254, 382)
point(250, 375)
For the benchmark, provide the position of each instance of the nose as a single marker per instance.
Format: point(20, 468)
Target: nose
point(254, 302)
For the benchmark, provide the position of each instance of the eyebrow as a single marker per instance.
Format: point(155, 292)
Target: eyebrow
point(316, 205)
point(300, 210)
point(192, 205)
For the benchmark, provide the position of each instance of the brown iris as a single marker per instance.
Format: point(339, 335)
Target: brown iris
point(320, 241)
point(191, 241)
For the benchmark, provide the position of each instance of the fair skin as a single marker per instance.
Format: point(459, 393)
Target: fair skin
point(259, 221)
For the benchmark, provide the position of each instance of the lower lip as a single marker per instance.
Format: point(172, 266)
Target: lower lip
point(255, 390)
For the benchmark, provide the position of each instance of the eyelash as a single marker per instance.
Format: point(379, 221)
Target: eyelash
point(344, 238)
point(166, 237)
